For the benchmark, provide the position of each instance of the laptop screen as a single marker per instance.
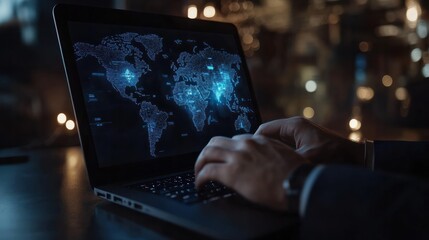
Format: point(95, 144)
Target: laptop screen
point(152, 93)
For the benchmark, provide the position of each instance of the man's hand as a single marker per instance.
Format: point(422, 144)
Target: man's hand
point(254, 166)
point(313, 142)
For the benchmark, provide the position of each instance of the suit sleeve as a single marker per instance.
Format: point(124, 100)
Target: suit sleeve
point(354, 203)
point(410, 158)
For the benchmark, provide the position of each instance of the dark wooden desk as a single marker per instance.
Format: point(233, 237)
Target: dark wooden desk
point(45, 194)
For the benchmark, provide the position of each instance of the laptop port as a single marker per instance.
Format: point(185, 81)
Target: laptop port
point(100, 194)
point(108, 196)
point(138, 206)
point(117, 199)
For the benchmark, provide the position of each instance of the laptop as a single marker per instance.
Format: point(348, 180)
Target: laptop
point(149, 92)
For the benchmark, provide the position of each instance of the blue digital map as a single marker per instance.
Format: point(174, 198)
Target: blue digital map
point(197, 81)
point(204, 74)
point(156, 122)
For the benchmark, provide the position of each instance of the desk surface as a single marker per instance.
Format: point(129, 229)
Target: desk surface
point(45, 194)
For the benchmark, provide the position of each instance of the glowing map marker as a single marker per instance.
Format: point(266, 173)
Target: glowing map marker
point(189, 92)
point(128, 75)
point(219, 90)
point(225, 76)
point(210, 67)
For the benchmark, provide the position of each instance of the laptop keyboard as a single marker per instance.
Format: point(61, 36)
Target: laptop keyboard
point(182, 188)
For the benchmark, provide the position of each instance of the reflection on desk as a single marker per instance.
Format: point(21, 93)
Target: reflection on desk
point(45, 194)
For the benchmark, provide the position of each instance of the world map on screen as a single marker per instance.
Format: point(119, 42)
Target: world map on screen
point(198, 80)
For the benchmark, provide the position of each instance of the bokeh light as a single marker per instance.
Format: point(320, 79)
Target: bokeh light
point(61, 118)
point(308, 112)
point(247, 39)
point(387, 81)
point(416, 54)
point(412, 13)
point(401, 94)
point(364, 93)
point(209, 11)
point(355, 136)
point(70, 125)
point(192, 12)
point(355, 124)
point(425, 71)
point(422, 29)
point(311, 86)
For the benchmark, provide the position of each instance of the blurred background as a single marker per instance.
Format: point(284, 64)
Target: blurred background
point(359, 67)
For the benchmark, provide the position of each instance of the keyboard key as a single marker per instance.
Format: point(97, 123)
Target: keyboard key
point(182, 188)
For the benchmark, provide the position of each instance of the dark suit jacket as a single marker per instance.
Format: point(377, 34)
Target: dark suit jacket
point(390, 203)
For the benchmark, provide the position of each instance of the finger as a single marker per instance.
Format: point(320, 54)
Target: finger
point(309, 153)
point(212, 154)
point(244, 142)
point(283, 130)
point(219, 141)
point(215, 172)
point(280, 147)
point(242, 136)
point(277, 144)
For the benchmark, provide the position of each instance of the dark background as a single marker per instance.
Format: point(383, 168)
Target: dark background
point(347, 47)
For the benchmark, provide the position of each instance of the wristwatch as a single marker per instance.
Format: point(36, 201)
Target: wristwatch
point(293, 185)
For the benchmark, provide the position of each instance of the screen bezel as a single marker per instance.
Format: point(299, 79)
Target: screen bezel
point(63, 14)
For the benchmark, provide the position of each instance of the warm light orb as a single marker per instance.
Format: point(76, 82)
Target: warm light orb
point(70, 125)
point(209, 11)
point(355, 136)
point(354, 124)
point(61, 118)
point(364, 93)
point(388, 30)
point(311, 86)
point(308, 112)
point(401, 94)
point(387, 81)
point(247, 39)
point(192, 12)
point(412, 14)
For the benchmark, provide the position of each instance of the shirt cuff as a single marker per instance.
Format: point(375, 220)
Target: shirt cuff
point(306, 190)
point(369, 154)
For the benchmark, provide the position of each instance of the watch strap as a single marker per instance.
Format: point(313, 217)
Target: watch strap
point(293, 185)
